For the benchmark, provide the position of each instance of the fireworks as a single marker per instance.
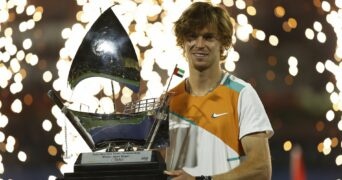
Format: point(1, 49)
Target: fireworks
point(149, 24)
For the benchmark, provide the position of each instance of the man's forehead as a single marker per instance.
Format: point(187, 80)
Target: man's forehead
point(207, 29)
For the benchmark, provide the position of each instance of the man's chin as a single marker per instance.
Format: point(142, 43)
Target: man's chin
point(200, 66)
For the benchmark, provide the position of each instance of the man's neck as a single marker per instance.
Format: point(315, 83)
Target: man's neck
point(201, 83)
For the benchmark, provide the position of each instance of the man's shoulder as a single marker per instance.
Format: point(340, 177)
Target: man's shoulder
point(235, 83)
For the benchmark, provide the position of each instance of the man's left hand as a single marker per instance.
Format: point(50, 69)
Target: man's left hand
point(179, 175)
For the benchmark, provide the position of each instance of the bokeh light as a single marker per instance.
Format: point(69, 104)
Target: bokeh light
point(149, 25)
point(16, 18)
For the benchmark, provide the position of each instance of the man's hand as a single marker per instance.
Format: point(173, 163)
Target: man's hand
point(179, 175)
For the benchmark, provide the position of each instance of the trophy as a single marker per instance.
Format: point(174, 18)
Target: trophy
point(127, 139)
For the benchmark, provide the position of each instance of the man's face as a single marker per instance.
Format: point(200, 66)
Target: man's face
point(202, 48)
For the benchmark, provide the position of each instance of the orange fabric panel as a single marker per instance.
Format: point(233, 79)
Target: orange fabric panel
point(199, 110)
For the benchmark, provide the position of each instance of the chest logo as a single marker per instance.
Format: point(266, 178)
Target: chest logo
point(214, 115)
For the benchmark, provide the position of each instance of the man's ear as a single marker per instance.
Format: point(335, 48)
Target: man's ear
point(223, 52)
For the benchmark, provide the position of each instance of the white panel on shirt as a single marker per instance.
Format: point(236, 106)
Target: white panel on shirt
point(213, 155)
point(252, 114)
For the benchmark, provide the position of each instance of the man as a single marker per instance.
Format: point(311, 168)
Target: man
point(218, 126)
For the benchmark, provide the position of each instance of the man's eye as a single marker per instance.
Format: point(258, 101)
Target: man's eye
point(209, 37)
point(191, 37)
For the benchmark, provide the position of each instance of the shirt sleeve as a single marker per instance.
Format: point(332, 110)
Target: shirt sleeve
point(252, 114)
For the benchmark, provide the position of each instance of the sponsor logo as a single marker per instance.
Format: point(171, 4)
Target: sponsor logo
point(214, 115)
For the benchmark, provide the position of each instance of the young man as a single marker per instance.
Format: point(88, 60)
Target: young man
point(218, 126)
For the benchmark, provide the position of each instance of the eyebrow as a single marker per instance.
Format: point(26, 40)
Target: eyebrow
point(204, 34)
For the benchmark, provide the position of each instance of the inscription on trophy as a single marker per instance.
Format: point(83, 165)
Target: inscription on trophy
point(116, 157)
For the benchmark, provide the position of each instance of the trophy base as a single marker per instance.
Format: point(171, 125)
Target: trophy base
point(131, 165)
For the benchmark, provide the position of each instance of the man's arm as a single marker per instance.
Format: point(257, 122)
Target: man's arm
point(257, 164)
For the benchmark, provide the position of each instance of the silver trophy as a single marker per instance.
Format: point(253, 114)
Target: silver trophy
point(129, 137)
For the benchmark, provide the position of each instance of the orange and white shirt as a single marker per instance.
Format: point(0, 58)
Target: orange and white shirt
point(205, 131)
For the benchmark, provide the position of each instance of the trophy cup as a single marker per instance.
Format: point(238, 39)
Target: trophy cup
point(128, 137)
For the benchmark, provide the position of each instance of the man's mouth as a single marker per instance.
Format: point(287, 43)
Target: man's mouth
point(200, 54)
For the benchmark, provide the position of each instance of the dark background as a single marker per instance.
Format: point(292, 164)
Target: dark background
point(294, 110)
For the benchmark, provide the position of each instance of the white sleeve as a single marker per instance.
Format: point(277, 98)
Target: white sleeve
point(252, 114)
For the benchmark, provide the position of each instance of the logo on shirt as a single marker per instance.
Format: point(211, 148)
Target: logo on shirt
point(214, 115)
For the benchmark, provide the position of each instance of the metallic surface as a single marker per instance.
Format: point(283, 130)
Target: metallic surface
point(106, 51)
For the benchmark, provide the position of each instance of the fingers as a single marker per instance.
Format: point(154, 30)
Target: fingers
point(174, 173)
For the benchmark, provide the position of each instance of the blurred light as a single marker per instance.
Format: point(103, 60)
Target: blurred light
point(10, 144)
point(273, 40)
point(47, 125)
point(52, 150)
point(28, 99)
point(338, 160)
point(30, 10)
point(81, 2)
point(3, 121)
point(58, 136)
point(320, 126)
point(288, 80)
point(16, 87)
point(334, 142)
point(327, 142)
point(286, 27)
point(8, 32)
point(338, 3)
point(293, 70)
point(329, 87)
point(22, 26)
point(22, 156)
point(260, 35)
point(20, 9)
point(228, 3)
point(320, 67)
point(279, 11)
point(230, 66)
point(326, 150)
point(16, 106)
point(242, 19)
point(330, 115)
point(20, 55)
point(321, 37)
point(309, 33)
point(334, 98)
point(47, 76)
point(270, 75)
point(30, 24)
point(326, 6)
point(4, 16)
point(18, 78)
point(317, 26)
point(240, 4)
point(320, 147)
point(317, 3)
point(107, 105)
point(66, 32)
point(2, 137)
point(242, 32)
point(292, 23)
point(292, 61)
point(15, 65)
point(287, 146)
point(251, 10)
point(37, 16)
point(51, 177)
point(272, 60)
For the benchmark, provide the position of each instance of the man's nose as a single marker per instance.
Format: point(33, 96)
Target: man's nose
point(199, 42)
